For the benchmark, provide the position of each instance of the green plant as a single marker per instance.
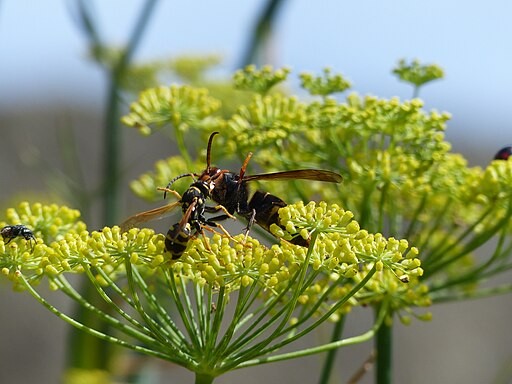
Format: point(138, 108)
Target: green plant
point(231, 302)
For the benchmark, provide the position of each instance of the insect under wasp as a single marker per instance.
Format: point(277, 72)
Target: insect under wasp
point(231, 191)
point(193, 205)
point(504, 153)
point(10, 232)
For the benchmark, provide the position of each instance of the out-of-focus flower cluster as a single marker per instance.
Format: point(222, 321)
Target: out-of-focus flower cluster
point(416, 73)
point(259, 80)
point(324, 85)
point(181, 106)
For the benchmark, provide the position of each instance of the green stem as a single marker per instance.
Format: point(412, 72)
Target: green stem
point(261, 33)
point(111, 171)
point(416, 92)
point(383, 345)
point(443, 297)
point(204, 378)
point(86, 351)
point(331, 355)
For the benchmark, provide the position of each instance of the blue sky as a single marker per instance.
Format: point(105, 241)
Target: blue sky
point(43, 54)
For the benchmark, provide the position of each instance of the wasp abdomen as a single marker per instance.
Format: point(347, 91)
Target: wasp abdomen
point(266, 212)
point(177, 239)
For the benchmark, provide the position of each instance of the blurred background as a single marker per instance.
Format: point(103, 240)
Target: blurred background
point(52, 93)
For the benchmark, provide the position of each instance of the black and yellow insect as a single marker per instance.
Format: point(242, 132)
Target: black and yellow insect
point(193, 205)
point(231, 190)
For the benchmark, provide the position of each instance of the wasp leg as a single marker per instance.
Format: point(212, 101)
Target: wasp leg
point(217, 225)
point(218, 208)
point(32, 245)
point(205, 242)
point(167, 190)
point(251, 219)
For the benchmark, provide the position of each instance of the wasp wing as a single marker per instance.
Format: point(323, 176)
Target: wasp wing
point(152, 214)
point(301, 174)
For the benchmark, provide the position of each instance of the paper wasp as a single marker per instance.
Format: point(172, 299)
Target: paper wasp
point(193, 205)
point(231, 191)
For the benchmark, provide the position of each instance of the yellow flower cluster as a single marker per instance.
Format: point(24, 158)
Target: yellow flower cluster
point(339, 250)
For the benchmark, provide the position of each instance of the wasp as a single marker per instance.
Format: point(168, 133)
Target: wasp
point(10, 232)
point(231, 191)
point(193, 205)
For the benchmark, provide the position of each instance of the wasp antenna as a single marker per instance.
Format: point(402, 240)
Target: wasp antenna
point(244, 166)
point(177, 178)
point(209, 150)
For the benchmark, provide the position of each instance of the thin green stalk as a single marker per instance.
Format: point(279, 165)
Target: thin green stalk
point(136, 332)
point(249, 334)
point(185, 312)
point(446, 246)
point(84, 328)
point(443, 297)
point(473, 244)
point(423, 241)
point(86, 351)
point(412, 228)
point(381, 210)
point(331, 355)
point(156, 329)
point(479, 272)
point(217, 318)
point(76, 192)
point(201, 311)
point(182, 148)
point(365, 210)
point(164, 324)
point(240, 310)
point(321, 320)
point(110, 302)
point(383, 311)
point(282, 316)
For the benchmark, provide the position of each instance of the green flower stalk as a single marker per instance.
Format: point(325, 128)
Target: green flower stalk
point(228, 302)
